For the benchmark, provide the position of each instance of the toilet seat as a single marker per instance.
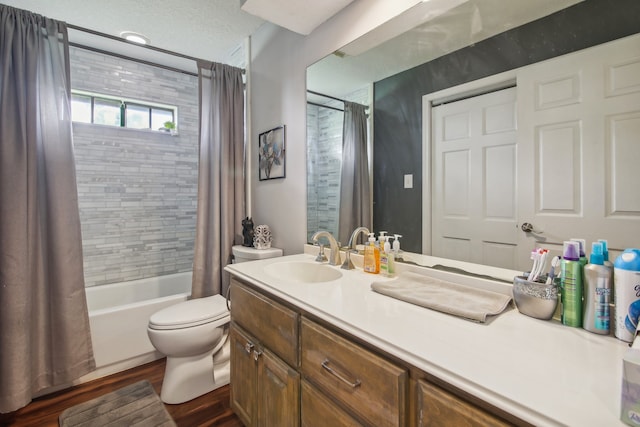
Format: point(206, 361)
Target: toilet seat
point(190, 313)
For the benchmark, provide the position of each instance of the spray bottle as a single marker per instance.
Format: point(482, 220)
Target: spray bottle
point(609, 264)
point(626, 276)
point(597, 292)
point(571, 284)
point(583, 248)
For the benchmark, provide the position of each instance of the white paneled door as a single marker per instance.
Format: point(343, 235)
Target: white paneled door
point(579, 147)
point(474, 179)
point(565, 162)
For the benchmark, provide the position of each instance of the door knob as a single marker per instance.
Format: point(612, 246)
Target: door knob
point(527, 227)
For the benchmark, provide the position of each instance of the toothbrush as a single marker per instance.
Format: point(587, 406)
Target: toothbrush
point(542, 264)
point(555, 262)
point(535, 256)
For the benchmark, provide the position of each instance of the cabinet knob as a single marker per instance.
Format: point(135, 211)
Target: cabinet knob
point(248, 347)
point(256, 355)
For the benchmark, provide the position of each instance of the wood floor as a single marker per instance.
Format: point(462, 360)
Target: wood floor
point(212, 409)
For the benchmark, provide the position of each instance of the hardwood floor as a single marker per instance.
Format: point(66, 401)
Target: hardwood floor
point(212, 409)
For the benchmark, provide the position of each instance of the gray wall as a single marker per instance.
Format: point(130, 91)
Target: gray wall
point(398, 99)
point(137, 189)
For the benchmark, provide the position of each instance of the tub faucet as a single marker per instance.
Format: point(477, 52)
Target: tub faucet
point(334, 256)
point(348, 265)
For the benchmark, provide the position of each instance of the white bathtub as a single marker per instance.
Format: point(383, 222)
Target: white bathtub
point(119, 314)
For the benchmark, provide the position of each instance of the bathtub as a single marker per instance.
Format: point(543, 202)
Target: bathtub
point(119, 314)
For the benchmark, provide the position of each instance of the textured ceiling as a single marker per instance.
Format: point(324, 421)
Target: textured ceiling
point(207, 29)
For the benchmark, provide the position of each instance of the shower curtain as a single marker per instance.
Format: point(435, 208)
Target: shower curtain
point(355, 198)
point(44, 325)
point(220, 176)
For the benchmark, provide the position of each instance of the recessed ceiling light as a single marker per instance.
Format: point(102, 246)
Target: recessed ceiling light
point(134, 37)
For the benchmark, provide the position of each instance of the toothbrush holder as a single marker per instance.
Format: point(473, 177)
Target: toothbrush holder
point(535, 299)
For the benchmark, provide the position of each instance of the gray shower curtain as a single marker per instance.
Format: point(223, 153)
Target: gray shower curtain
point(220, 176)
point(44, 326)
point(355, 197)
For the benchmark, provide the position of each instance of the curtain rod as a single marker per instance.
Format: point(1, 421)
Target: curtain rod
point(325, 106)
point(331, 97)
point(141, 61)
point(329, 107)
point(120, 39)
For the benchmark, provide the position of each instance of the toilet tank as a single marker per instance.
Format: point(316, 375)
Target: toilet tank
point(244, 253)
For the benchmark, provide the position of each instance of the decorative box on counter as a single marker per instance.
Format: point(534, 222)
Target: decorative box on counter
point(630, 401)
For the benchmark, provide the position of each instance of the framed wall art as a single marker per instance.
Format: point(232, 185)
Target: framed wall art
point(271, 153)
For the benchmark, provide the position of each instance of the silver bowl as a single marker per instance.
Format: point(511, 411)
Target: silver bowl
point(535, 299)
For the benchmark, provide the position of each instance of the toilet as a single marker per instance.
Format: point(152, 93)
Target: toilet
point(194, 336)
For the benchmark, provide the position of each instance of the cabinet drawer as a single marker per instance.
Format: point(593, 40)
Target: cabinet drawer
point(318, 411)
point(371, 387)
point(273, 324)
point(437, 407)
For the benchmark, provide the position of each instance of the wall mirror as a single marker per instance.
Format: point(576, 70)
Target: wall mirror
point(438, 46)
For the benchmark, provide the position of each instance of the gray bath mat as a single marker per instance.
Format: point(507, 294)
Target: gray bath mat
point(134, 405)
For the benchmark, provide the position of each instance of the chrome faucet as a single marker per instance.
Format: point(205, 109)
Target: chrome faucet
point(334, 256)
point(348, 265)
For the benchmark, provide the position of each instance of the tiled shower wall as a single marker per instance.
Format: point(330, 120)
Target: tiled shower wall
point(324, 161)
point(137, 189)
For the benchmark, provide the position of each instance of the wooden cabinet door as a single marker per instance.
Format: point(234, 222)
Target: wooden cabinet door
point(278, 392)
point(317, 410)
point(439, 408)
point(275, 325)
point(243, 376)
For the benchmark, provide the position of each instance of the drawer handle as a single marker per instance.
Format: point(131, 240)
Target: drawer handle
point(352, 384)
point(248, 347)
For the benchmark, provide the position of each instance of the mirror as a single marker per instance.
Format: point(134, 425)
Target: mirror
point(459, 41)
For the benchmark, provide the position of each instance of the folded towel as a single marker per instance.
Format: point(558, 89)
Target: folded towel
point(452, 298)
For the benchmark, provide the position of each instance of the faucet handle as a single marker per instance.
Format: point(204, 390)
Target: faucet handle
point(347, 264)
point(321, 256)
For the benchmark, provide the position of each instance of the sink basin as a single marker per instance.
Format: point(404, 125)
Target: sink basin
point(302, 272)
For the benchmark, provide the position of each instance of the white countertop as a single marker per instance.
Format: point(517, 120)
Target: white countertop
point(540, 371)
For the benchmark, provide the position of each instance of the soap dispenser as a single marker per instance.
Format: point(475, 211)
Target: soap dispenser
point(381, 239)
point(387, 259)
point(371, 256)
point(396, 246)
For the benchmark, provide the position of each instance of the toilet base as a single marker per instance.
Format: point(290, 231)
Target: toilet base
point(186, 378)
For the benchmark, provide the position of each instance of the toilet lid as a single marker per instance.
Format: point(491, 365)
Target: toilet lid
point(190, 313)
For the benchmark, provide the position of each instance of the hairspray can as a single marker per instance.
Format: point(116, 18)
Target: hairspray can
point(571, 285)
point(626, 279)
point(597, 292)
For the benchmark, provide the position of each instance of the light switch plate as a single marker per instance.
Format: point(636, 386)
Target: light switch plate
point(408, 181)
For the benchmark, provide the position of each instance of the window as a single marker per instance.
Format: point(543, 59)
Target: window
point(106, 110)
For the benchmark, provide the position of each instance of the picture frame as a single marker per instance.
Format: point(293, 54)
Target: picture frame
point(272, 154)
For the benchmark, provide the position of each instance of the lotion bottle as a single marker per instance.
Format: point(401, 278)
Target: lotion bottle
point(397, 253)
point(371, 256)
point(597, 292)
point(571, 284)
point(387, 267)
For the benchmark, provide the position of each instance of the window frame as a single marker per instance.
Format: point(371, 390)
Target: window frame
point(151, 106)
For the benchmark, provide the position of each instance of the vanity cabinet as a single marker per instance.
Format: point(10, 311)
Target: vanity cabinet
point(265, 385)
point(289, 369)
